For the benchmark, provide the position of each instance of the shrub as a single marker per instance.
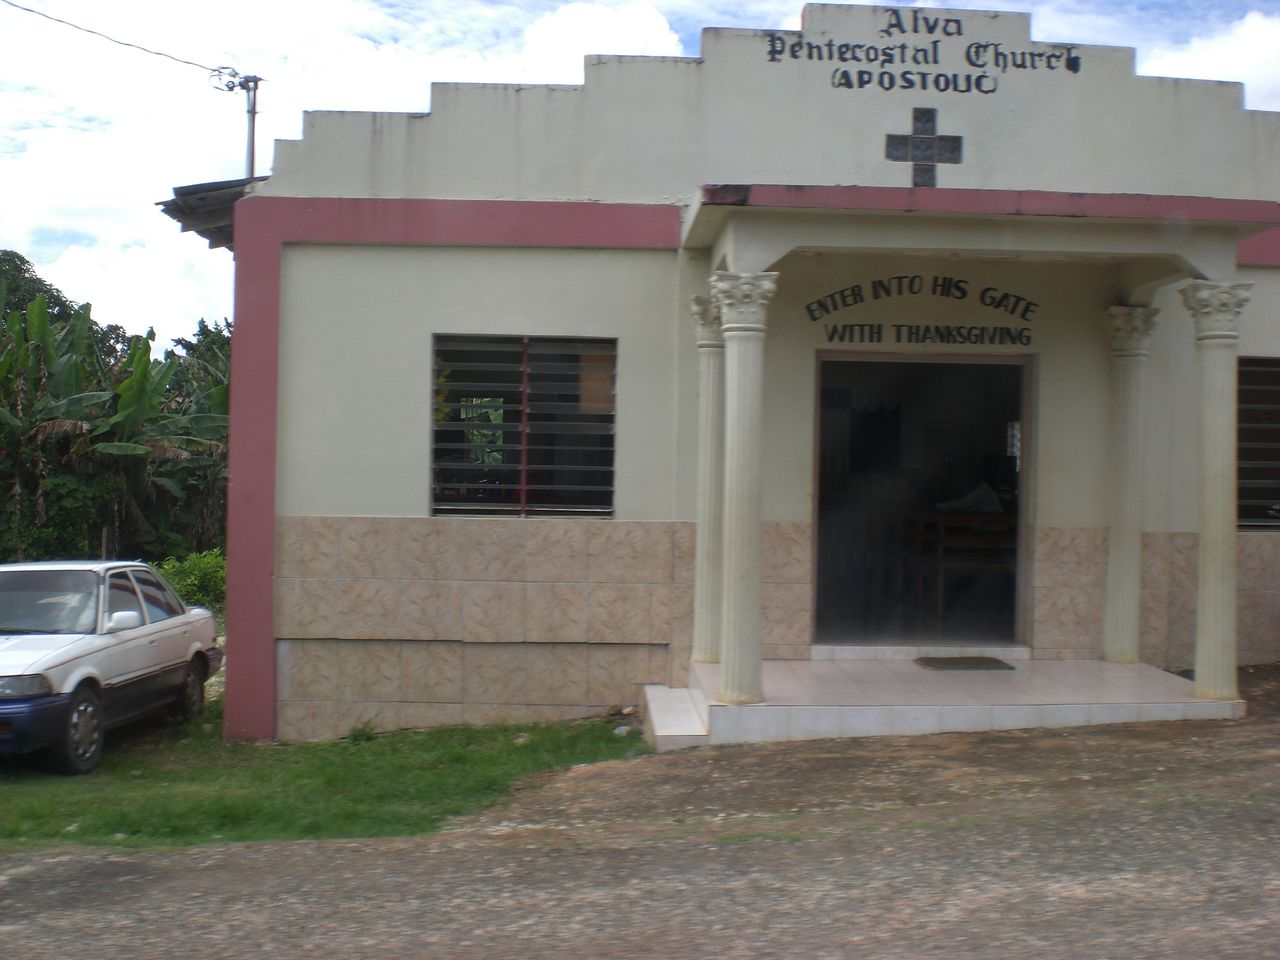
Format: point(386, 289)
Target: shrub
point(72, 525)
point(200, 578)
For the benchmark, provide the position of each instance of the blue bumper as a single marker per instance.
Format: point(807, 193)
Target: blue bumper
point(32, 723)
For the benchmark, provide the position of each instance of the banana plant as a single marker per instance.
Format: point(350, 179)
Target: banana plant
point(43, 375)
point(131, 453)
point(171, 441)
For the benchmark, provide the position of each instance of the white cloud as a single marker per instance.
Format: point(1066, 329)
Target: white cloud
point(96, 133)
point(554, 45)
point(1247, 51)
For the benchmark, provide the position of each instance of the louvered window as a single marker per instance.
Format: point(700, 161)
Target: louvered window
point(523, 425)
point(1259, 441)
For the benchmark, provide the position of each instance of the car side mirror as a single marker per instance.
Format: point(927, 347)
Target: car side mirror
point(124, 620)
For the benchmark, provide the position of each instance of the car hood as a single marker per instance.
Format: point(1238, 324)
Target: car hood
point(19, 652)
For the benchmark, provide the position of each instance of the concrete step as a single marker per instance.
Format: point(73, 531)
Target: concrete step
point(815, 699)
point(764, 722)
point(909, 651)
point(675, 717)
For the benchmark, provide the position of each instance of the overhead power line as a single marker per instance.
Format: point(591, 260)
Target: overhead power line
point(222, 78)
point(123, 43)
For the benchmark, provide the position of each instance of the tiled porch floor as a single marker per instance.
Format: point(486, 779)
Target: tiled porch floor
point(813, 699)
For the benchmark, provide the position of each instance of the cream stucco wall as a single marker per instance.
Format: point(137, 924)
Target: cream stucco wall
point(356, 369)
point(372, 444)
point(372, 311)
point(654, 129)
point(1260, 321)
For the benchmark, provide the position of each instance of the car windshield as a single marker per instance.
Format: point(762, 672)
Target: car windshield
point(48, 601)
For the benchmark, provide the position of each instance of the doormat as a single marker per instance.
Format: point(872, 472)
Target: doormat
point(964, 663)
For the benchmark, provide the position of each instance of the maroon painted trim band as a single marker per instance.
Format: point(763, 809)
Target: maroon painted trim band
point(250, 696)
point(263, 225)
point(485, 223)
point(1028, 203)
point(1260, 250)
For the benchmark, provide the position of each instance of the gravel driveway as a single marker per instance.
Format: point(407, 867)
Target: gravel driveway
point(1145, 840)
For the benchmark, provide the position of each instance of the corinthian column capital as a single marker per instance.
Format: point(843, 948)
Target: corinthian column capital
point(741, 299)
point(1216, 307)
point(707, 317)
point(1130, 329)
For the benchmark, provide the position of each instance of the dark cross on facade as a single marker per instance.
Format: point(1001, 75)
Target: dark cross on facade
point(923, 148)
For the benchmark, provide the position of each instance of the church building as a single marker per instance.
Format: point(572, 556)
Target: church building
point(761, 388)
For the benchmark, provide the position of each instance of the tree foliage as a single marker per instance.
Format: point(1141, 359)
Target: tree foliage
point(105, 449)
point(23, 285)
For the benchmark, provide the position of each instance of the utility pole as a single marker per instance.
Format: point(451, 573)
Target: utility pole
point(232, 82)
point(250, 86)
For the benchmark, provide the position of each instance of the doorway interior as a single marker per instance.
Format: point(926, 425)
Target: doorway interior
point(920, 470)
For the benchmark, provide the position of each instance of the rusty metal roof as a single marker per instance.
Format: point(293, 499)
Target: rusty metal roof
point(206, 208)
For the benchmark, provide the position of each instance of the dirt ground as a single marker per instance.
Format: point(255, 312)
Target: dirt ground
point(1140, 840)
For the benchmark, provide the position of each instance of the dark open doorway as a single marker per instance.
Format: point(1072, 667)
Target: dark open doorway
point(919, 475)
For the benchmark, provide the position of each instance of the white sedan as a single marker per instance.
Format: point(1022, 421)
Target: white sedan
point(88, 646)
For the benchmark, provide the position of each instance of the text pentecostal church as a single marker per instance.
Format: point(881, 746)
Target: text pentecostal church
point(733, 384)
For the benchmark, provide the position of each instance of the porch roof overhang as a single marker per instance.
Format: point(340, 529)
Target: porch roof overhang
point(208, 208)
point(1154, 239)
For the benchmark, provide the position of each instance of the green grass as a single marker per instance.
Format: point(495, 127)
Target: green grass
point(181, 785)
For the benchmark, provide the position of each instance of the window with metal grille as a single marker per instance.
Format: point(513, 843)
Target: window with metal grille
point(523, 425)
point(1258, 457)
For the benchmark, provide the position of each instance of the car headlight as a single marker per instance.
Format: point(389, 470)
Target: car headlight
point(33, 685)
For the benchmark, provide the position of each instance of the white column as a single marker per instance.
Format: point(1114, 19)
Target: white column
point(708, 570)
point(742, 300)
point(1216, 309)
point(1130, 330)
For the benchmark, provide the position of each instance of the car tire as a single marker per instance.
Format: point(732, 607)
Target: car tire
point(78, 749)
point(190, 702)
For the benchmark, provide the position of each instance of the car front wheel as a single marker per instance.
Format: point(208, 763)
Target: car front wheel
point(79, 748)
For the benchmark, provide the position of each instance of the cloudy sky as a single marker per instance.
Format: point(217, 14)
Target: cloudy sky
point(93, 133)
